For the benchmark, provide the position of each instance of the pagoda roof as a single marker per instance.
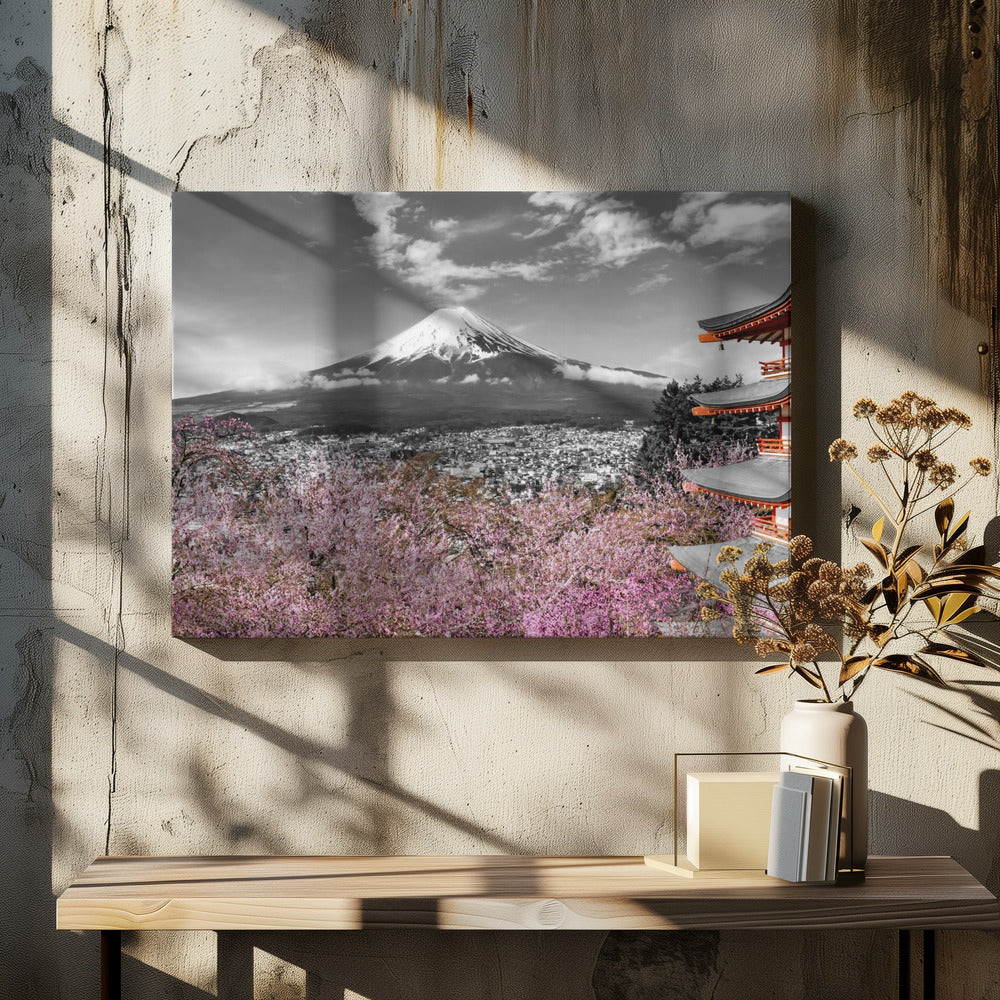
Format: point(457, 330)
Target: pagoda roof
point(764, 322)
point(766, 479)
point(766, 394)
point(702, 560)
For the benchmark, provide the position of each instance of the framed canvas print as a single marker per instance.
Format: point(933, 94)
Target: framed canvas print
point(474, 413)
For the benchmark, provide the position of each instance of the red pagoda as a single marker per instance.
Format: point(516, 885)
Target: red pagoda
point(764, 481)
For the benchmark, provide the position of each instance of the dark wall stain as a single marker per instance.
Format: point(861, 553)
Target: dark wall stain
point(24, 155)
point(680, 965)
point(26, 290)
point(30, 731)
point(935, 62)
point(343, 28)
point(460, 56)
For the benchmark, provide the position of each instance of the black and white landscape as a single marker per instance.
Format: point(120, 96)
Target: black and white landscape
point(509, 343)
point(454, 368)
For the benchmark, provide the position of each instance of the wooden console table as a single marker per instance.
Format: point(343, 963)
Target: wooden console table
point(497, 892)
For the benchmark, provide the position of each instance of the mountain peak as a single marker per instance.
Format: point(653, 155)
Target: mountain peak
point(460, 313)
point(452, 333)
point(463, 315)
point(455, 344)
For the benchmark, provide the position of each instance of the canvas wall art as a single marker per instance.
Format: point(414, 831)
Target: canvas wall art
point(473, 413)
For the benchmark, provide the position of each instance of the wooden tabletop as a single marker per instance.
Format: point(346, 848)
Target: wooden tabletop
point(457, 892)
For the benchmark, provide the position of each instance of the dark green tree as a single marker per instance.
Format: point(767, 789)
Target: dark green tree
point(676, 432)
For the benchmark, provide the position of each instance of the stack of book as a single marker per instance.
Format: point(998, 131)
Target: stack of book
point(805, 825)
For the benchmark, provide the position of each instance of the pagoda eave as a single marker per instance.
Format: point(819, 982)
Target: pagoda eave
point(763, 331)
point(739, 498)
point(766, 323)
point(762, 481)
point(757, 397)
point(703, 562)
point(714, 411)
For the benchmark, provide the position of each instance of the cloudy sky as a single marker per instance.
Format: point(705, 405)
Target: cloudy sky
point(267, 286)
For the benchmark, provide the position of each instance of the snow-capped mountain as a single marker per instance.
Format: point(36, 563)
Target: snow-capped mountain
point(456, 344)
point(454, 368)
point(454, 334)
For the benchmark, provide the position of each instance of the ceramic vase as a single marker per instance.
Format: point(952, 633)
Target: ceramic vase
point(835, 733)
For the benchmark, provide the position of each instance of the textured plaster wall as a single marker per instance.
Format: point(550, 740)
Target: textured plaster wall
point(117, 738)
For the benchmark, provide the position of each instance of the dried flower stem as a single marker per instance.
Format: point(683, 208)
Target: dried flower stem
point(788, 607)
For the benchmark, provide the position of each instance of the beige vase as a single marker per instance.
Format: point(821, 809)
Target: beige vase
point(835, 733)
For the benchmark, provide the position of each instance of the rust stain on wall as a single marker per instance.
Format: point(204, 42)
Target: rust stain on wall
point(934, 64)
point(440, 117)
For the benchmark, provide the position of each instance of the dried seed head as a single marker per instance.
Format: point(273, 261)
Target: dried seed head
point(842, 450)
point(800, 547)
point(943, 475)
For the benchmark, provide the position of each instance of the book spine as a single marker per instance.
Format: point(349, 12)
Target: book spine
point(786, 847)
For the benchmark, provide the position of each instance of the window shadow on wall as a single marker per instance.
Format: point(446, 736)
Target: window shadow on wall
point(899, 826)
point(454, 71)
point(363, 742)
point(403, 964)
point(26, 605)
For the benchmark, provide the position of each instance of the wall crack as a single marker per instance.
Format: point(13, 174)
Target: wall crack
point(119, 329)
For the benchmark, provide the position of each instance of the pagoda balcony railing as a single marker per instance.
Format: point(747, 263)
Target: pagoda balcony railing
point(764, 526)
point(774, 446)
point(776, 369)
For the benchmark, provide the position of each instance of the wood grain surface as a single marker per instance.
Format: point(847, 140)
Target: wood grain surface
point(493, 891)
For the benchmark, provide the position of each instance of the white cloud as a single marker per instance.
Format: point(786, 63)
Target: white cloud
point(656, 281)
point(743, 255)
point(690, 207)
point(558, 209)
point(267, 407)
point(425, 265)
point(752, 222)
point(565, 201)
point(602, 230)
point(321, 382)
point(422, 262)
point(380, 208)
point(267, 381)
point(610, 233)
point(614, 236)
point(573, 372)
point(616, 376)
point(445, 228)
point(611, 376)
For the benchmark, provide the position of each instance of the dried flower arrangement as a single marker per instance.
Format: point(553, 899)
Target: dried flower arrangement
point(798, 606)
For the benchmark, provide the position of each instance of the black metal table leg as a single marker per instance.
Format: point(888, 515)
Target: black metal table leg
point(111, 965)
point(904, 965)
point(930, 978)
